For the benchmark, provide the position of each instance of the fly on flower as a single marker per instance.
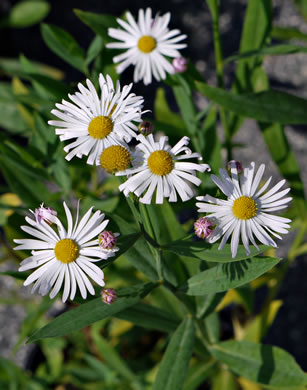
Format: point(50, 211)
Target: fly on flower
point(148, 42)
point(66, 255)
point(162, 169)
point(97, 122)
point(246, 211)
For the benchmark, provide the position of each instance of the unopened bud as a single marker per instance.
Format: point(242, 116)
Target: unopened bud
point(108, 295)
point(107, 240)
point(46, 214)
point(145, 128)
point(203, 227)
point(235, 164)
point(180, 64)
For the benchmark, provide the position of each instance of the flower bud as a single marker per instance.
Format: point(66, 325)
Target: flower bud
point(145, 128)
point(180, 64)
point(46, 214)
point(235, 164)
point(108, 295)
point(203, 227)
point(107, 240)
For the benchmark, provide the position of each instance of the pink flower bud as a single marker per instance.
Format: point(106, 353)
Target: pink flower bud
point(180, 64)
point(107, 240)
point(108, 295)
point(235, 164)
point(46, 214)
point(145, 128)
point(203, 227)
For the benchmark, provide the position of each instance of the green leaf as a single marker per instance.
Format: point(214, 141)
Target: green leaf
point(209, 142)
point(107, 205)
point(257, 24)
point(110, 355)
point(10, 117)
point(163, 113)
point(186, 106)
point(226, 276)
point(64, 45)
point(15, 67)
point(256, 31)
point(28, 12)
point(275, 50)
point(124, 243)
point(141, 258)
point(207, 304)
point(139, 255)
point(212, 327)
point(94, 50)
point(90, 312)
point(197, 375)
point(24, 180)
point(40, 135)
point(287, 33)
point(59, 168)
point(99, 23)
point(281, 152)
point(175, 362)
point(267, 106)
point(263, 364)
point(149, 317)
point(204, 251)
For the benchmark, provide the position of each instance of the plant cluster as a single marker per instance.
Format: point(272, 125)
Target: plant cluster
point(145, 287)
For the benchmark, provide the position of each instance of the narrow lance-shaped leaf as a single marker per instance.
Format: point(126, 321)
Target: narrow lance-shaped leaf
point(267, 106)
point(175, 362)
point(198, 373)
point(264, 364)
point(92, 311)
point(149, 317)
point(109, 354)
point(64, 45)
point(203, 251)
point(287, 33)
point(225, 276)
point(99, 23)
point(275, 50)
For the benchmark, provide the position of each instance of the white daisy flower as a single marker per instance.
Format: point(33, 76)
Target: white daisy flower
point(148, 42)
point(246, 212)
point(65, 256)
point(162, 169)
point(95, 122)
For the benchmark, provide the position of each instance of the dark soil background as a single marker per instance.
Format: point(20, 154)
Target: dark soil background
point(289, 330)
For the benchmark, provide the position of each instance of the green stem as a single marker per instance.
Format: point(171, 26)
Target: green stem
point(132, 206)
point(150, 236)
point(214, 6)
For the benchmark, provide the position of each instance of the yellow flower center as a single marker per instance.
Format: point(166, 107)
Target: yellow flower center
point(115, 158)
point(146, 43)
point(66, 250)
point(244, 207)
point(100, 127)
point(160, 162)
